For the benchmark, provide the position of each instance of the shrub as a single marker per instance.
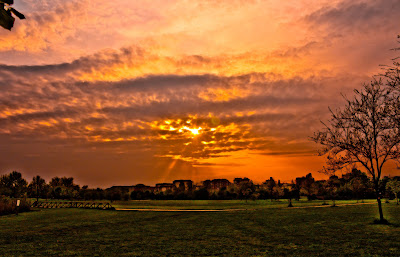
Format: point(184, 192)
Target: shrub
point(8, 206)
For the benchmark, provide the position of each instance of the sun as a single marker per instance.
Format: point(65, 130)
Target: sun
point(194, 131)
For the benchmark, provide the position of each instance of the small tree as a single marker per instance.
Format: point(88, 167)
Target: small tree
point(394, 187)
point(246, 190)
point(288, 193)
point(37, 187)
point(332, 185)
point(270, 187)
point(366, 131)
point(278, 192)
point(323, 191)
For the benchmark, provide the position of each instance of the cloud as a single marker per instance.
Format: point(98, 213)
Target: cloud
point(189, 88)
point(363, 16)
point(256, 111)
point(43, 28)
point(364, 30)
point(109, 101)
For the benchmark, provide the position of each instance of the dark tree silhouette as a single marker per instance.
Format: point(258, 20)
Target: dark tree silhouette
point(56, 181)
point(13, 184)
point(392, 72)
point(6, 14)
point(246, 189)
point(37, 186)
point(332, 185)
point(365, 131)
point(270, 186)
point(288, 194)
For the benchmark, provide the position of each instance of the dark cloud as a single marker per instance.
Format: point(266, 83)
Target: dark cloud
point(289, 153)
point(358, 15)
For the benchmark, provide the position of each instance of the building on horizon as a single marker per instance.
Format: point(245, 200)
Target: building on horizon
point(216, 184)
point(237, 181)
point(308, 179)
point(142, 188)
point(184, 184)
point(162, 187)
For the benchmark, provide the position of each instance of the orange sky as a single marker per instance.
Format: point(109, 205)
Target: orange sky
point(152, 91)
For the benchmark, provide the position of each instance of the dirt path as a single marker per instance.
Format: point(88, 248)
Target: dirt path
point(186, 210)
point(324, 206)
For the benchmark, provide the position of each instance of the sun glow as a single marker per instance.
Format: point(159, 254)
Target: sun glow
point(193, 130)
point(179, 126)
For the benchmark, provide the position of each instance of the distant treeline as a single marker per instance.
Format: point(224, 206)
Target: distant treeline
point(353, 185)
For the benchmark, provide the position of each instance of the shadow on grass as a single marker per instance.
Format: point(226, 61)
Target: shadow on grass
point(385, 222)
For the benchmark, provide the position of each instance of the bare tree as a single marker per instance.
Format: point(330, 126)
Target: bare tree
point(366, 131)
point(6, 14)
point(392, 72)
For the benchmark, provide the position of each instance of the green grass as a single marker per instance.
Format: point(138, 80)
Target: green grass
point(342, 231)
point(213, 204)
point(221, 204)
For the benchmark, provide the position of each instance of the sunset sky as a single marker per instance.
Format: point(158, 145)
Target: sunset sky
point(126, 92)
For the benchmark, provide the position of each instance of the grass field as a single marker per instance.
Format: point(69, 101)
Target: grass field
point(341, 231)
point(222, 204)
point(216, 204)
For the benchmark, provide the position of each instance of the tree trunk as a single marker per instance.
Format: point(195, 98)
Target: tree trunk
point(380, 209)
point(37, 189)
point(290, 202)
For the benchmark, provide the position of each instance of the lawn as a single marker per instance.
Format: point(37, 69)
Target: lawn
point(259, 232)
point(221, 204)
point(215, 204)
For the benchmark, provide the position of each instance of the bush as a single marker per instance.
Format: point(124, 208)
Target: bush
point(125, 197)
point(201, 194)
point(8, 206)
